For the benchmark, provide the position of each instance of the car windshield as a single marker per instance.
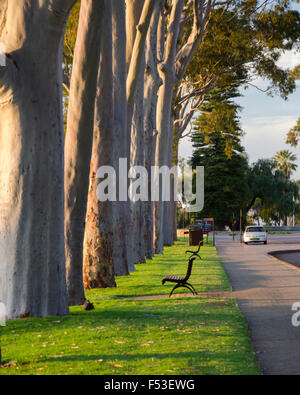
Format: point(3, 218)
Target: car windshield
point(255, 229)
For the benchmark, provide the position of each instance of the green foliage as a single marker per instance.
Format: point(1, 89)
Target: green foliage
point(70, 39)
point(277, 194)
point(68, 54)
point(220, 116)
point(242, 42)
point(293, 135)
point(245, 41)
point(285, 162)
point(216, 142)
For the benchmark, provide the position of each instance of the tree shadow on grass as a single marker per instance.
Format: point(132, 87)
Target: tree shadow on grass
point(195, 361)
point(140, 315)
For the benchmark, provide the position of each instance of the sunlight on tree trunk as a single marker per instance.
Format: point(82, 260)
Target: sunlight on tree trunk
point(79, 139)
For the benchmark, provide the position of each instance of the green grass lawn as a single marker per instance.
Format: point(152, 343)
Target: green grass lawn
point(187, 335)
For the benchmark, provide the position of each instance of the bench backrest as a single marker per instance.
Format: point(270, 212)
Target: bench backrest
point(189, 269)
point(200, 244)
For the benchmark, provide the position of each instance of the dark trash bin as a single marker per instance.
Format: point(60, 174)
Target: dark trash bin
point(195, 236)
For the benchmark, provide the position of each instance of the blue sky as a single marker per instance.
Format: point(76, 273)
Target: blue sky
point(265, 120)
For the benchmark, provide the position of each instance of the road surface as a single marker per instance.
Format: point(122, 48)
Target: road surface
point(266, 289)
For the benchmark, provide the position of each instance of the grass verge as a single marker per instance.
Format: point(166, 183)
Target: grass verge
point(186, 335)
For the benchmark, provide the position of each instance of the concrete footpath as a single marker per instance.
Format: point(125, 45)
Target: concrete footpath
point(266, 289)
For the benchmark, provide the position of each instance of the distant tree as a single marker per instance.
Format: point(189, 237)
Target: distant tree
point(293, 135)
point(278, 194)
point(285, 162)
point(257, 209)
point(262, 181)
point(217, 147)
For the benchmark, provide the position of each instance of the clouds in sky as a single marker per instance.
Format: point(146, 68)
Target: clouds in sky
point(266, 135)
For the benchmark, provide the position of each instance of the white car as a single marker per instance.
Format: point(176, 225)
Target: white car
point(255, 234)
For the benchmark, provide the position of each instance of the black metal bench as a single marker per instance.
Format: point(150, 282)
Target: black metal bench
point(182, 281)
point(195, 253)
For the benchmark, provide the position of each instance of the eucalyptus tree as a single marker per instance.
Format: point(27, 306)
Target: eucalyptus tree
point(241, 43)
point(98, 242)
point(101, 225)
point(152, 85)
point(179, 49)
point(122, 251)
point(293, 134)
point(79, 138)
point(32, 252)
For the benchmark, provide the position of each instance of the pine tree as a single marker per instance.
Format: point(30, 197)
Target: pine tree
point(217, 147)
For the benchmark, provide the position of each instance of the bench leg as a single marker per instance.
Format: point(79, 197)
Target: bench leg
point(176, 286)
point(186, 285)
point(194, 291)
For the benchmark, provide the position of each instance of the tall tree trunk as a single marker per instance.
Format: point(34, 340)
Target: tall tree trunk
point(164, 106)
point(32, 251)
point(98, 242)
point(137, 159)
point(79, 140)
point(99, 268)
point(122, 251)
point(138, 17)
point(169, 206)
point(175, 163)
point(134, 9)
point(152, 84)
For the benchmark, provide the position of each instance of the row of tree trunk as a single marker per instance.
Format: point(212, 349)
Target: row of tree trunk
point(56, 237)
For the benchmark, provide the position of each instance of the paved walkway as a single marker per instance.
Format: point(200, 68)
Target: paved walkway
point(266, 289)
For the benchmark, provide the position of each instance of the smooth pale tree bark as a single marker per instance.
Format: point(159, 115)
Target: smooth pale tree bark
point(138, 17)
point(152, 84)
point(172, 71)
point(79, 140)
point(137, 159)
point(122, 251)
point(183, 116)
point(98, 268)
point(135, 56)
point(32, 252)
point(164, 106)
point(175, 204)
point(134, 10)
point(169, 206)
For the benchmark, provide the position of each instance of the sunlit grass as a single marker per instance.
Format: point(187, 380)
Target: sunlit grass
point(163, 336)
point(207, 274)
